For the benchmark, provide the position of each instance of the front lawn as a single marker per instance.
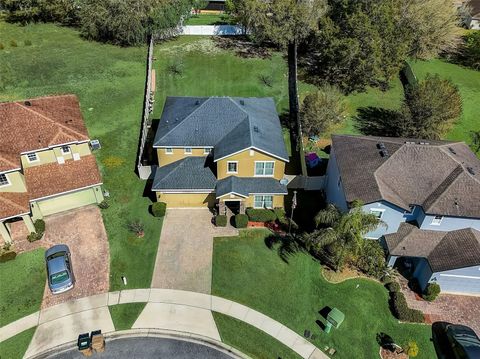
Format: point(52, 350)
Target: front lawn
point(294, 293)
point(109, 82)
point(16, 346)
point(22, 282)
point(124, 315)
point(209, 19)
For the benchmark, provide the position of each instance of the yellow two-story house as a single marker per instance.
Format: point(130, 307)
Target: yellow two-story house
point(46, 165)
point(220, 151)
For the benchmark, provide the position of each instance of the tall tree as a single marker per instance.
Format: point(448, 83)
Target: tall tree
point(285, 23)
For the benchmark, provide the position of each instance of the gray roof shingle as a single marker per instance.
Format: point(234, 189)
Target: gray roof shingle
point(229, 124)
point(437, 176)
point(247, 185)
point(443, 250)
point(187, 174)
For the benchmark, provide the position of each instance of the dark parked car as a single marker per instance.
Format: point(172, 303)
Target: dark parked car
point(455, 341)
point(59, 269)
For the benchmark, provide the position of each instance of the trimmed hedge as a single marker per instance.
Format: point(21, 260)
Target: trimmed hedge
point(6, 256)
point(261, 215)
point(159, 209)
point(402, 311)
point(431, 292)
point(241, 221)
point(393, 287)
point(281, 216)
point(39, 225)
point(221, 220)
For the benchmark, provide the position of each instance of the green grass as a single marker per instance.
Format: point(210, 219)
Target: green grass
point(293, 293)
point(22, 282)
point(209, 19)
point(250, 340)
point(124, 315)
point(109, 82)
point(16, 346)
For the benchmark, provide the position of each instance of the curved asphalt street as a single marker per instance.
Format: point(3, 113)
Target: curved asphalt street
point(149, 347)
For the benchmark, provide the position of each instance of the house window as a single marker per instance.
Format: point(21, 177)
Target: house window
point(32, 157)
point(263, 202)
point(232, 167)
point(377, 212)
point(65, 150)
point(188, 150)
point(4, 180)
point(264, 168)
point(206, 151)
point(169, 150)
point(437, 220)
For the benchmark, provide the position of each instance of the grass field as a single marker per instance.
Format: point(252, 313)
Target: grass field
point(124, 315)
point(295, 294)
point(22, 282)
point(252, 341)
point(209, 19)
point(109, 82)
point(16, 346)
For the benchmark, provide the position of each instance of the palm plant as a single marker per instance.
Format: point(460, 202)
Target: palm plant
point(340, 232)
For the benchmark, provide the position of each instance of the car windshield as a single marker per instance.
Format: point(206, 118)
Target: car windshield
point(59, 277)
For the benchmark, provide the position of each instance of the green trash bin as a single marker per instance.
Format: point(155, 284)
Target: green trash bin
point(83, 341)
point(334, 319)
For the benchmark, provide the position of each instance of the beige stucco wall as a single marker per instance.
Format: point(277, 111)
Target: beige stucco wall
point(17, 183)
point(50, 155)
point(178, 154)
point(178, 200)
point(246, 165)
point(278, 200)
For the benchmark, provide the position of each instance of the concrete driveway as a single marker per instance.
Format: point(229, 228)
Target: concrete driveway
point(83, 231)
point(184, 258)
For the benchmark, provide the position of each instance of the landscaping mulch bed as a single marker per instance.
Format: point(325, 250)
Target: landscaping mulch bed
point(387, 354)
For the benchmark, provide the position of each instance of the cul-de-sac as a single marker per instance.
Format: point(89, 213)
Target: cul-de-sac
point(247, 179)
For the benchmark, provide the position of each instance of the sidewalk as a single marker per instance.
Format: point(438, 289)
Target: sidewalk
point(166, 309)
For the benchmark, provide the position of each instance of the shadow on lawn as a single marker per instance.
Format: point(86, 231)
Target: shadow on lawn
point(286, 246)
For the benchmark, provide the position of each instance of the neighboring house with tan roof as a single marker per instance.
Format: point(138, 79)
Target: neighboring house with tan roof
point(46, 165)
point(433, 185)
point(220, 152)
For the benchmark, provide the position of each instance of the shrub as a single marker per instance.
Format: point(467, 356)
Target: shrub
point(2, 46)
point(39, 225)
point(371, 260)
point(27, 43)
point(136, 227)
point(159, 209)
point(281, 216)
point(32, 237)
point(13, 43)
point(411, 349)
point(402, 311)
point(393, 287)
point(221, 220)
point(6, 256)
point(431, 292)
point(241, 221)
point(261, 215)
point(103, 205)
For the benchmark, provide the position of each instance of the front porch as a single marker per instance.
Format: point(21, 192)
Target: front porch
point(16, 229)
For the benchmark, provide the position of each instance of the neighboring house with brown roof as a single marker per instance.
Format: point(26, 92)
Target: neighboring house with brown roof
point(471, 14)
point(434, 185)
point(46, 165)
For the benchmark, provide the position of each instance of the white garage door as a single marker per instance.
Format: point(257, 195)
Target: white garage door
point(66, 202)
point(466, 280)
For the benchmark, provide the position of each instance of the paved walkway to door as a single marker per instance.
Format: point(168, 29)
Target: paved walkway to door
point(184, 258)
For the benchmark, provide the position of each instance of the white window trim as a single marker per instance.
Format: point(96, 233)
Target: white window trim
point(167, 152)
point(8, 181)
point(65, 153)
point(207, 151)
point(188, 153)
point(264, 175)
point(263, 201)
point(236, 163)
point(436, 222)
point(35, 160)
point(382, 211)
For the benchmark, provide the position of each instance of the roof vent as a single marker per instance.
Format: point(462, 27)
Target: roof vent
point(424, 143)
point(384, 153)
point(471, 171)
point(381, 145)
point(28, 103)
point(242, 102)
point(409, 142)
point(197, 102)
point(452, 150)
point(255, 129)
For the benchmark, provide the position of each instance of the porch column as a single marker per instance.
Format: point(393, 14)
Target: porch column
point(221, 207)
point(4, 233)
point(242, 207)
point(29, 223)
point(391, 260)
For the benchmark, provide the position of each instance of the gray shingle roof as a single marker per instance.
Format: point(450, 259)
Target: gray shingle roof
point(191, 173)
point(229, 124)
point(435, 176)
point(247, 185)
point(443, 250)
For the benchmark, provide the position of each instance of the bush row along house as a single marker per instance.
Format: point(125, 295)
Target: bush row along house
point(220, 152)
point(428, 195)
point(46, 165)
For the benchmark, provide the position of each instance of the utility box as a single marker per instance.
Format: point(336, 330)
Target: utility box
point(334, 319)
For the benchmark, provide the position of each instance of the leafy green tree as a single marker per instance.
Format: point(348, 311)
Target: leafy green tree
point(25, 11)
point(469, 52)
point(340, 233)
point(321, 110)
point(285, 23)
point(475, 136)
